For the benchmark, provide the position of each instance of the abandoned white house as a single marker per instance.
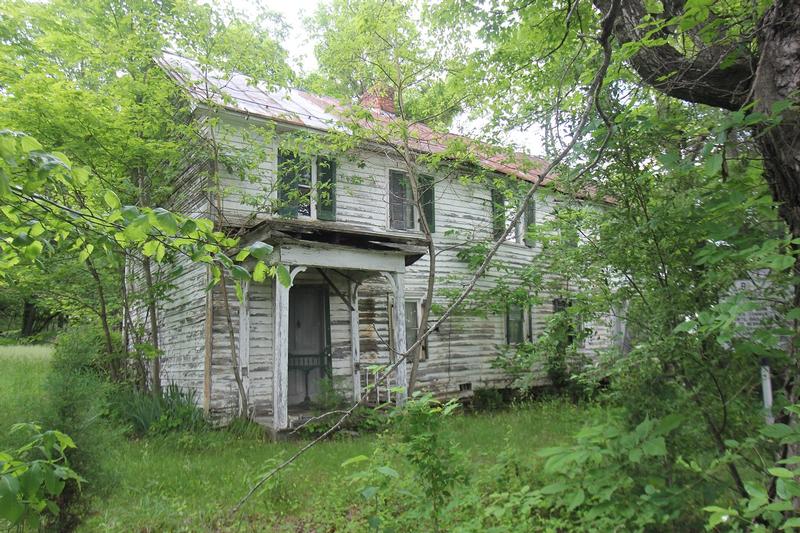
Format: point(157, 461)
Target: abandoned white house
point(357, 260)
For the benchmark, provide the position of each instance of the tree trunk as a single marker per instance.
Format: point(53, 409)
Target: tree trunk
point(103, 313)
point(28, 319)
point(152, 309)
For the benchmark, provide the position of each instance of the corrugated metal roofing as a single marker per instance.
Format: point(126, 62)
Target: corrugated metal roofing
point(240, 93)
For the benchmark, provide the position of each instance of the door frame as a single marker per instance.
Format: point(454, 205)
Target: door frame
point(326, 368)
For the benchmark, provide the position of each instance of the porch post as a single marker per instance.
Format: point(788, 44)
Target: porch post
point(280, 341)
point(355, 340)
point(399, 319)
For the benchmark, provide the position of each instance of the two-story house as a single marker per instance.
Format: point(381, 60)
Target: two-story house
point(357, 259)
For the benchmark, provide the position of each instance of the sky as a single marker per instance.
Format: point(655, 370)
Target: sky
point(301, 55)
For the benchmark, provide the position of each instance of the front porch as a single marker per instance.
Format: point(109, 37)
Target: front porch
point(317, 327)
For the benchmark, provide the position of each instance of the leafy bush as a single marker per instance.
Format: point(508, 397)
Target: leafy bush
point(769, 505)
point(145, 413)
point(34, 476)
point(82, 348)
point(418, 501)
point(613, 478)
point(487, 400)
point(79, 393)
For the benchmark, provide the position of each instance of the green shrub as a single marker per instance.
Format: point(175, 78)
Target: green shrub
point(145, 413)
point(78, 393)
point(82, 348)
point(487, 400)
point(33, 476)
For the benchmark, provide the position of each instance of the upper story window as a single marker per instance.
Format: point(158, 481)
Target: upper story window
point(306, 186)
point(502, 217)
point(402, 209)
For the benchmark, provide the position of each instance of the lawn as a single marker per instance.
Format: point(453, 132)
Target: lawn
point(190, 481)
point(23, 370)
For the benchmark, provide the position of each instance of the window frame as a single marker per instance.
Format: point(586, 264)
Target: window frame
point(522, 328)
point(313, 197)
point(415, 225)
point(521, 228)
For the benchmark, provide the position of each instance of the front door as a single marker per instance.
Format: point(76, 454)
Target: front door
point(308, 361)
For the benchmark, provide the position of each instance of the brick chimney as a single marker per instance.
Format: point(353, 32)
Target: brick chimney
point(379, 98)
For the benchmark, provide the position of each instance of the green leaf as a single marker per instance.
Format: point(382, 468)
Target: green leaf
point(356, 459)
point(284, 277)
point(669, 423)
point(369, 492)
point(29, 144)
point(792, 522)
point(781, 472)
point(149, 248)
point(260, 250)
point(242, 255)
point(388, 471)
point(685, 327)
point(166, 221)
point(240, 273)
point(112, 200)
point(260, 272)
point(655, 447)
point(553, 488)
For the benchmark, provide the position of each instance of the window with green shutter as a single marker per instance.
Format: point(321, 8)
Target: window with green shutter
point(428, 200)
point(498, 213)
point(298, 176)
point(528, 220)
point(326, 189)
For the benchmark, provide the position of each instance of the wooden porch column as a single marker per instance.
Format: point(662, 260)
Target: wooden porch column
point(397, 281)
point(280, 365)
point(355, 340)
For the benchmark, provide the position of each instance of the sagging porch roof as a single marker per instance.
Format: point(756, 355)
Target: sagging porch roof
point(296, 231)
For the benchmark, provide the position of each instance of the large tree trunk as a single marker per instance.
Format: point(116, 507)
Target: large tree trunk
point(778, 79)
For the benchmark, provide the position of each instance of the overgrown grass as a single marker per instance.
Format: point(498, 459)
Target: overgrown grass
point(191, 481)
point(23, 371)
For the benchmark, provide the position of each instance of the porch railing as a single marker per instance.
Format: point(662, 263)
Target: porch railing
point(378, 390)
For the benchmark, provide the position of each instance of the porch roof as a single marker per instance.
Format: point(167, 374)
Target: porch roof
point(317, 233)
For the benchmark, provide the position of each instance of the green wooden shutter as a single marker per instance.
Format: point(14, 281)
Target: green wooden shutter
point(498, 213)
point(427, 198)
point(530, 220)
point(326, 188)
point(287, 163)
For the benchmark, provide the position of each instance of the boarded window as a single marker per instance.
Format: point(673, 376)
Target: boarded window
point(326, 189)
point(401, 204)
point(515, 324)
point(294, 184)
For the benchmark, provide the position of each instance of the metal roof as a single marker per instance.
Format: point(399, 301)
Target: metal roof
point(239, 93)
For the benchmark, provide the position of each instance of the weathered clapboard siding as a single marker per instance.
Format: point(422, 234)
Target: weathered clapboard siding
point(181, 320)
